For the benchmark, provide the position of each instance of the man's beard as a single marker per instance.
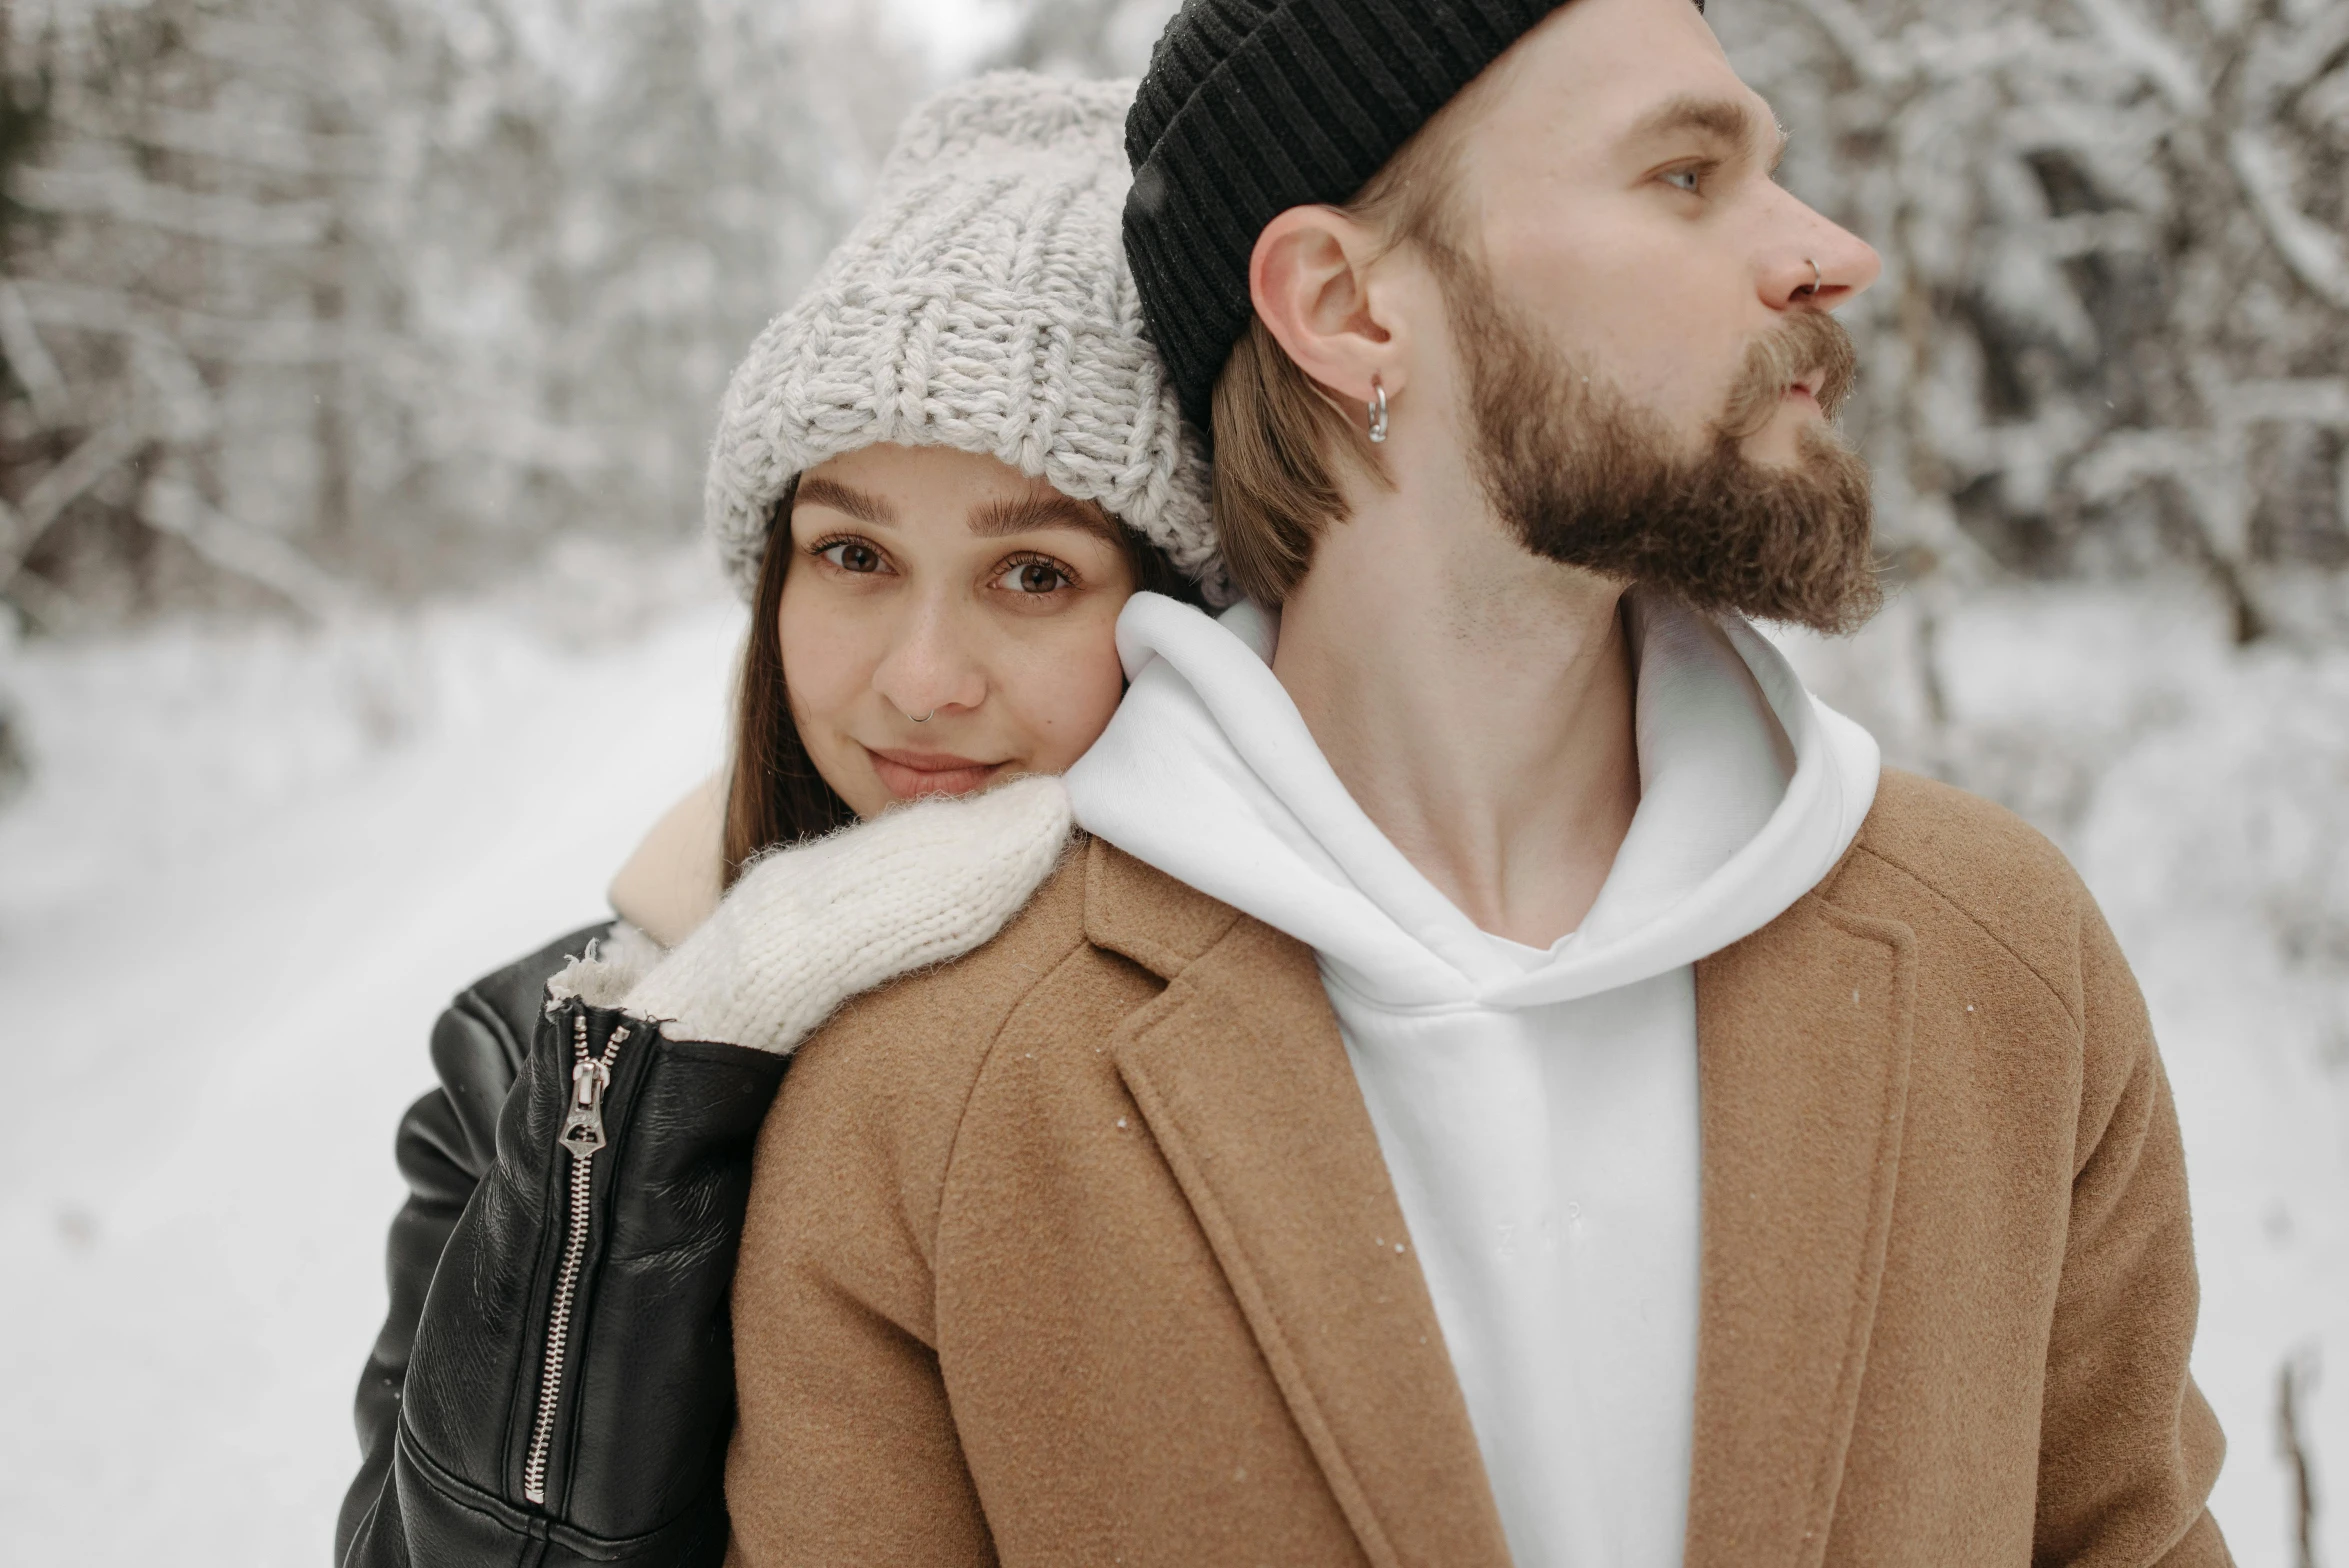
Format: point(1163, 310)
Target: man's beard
point(1589, 478)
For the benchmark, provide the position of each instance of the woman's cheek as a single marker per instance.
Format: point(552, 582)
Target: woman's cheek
point(802, 657)
point(1074, 690)
point(820, 670)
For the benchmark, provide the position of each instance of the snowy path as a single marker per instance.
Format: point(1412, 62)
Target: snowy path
point(256, 866)
point(207, 1061)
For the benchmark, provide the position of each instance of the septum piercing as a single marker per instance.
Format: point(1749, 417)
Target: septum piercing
point(925, 718)
point(1378, 411)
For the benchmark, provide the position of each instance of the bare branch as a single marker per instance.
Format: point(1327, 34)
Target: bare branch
point(2294, 1380)
point(126, 198)
point(2281, 66)
point(263, 146)
point(61, 486)
point(284, 340)
point(255, 49)
point(2135, 40)
point(2309, 400)
point(29, 358)
point(173, 507)
point(2307, 247)
point(1877, 63)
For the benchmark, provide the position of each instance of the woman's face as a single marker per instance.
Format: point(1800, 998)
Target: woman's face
point(947, 623)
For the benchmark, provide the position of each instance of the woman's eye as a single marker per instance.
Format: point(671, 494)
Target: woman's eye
point(852, 555)
point(1033, 577)
point(1689, 180)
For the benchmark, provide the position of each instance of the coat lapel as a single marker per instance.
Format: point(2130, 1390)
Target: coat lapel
point(1803, 1036)
point(1239, 1072)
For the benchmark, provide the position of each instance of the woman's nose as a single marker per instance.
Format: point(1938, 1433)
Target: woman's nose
point(932, 665)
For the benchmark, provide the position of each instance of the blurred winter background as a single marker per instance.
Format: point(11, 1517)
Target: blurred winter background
point(356, 360)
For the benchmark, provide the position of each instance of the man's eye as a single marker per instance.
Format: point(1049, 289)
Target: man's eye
point(1689, 180)
point(1033, 577)
point(852, 556)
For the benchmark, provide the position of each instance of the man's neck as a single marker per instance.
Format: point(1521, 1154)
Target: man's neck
point(1476, 702)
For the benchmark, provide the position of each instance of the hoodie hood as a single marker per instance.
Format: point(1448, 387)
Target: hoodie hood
point(1750, 791)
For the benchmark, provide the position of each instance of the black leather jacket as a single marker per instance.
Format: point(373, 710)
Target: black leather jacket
point(555, 1381)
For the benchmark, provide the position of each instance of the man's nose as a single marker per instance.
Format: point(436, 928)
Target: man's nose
point(1818, 266)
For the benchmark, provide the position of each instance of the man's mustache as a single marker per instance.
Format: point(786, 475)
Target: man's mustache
point(1808, 343)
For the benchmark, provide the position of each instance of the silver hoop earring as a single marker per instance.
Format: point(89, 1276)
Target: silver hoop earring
point(1817, 278)
point(1378, 412)
point(925, 718)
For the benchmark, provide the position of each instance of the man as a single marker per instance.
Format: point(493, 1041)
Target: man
point(1507, 1079)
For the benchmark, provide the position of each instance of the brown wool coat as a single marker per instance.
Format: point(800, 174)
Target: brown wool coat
point(1081, 1250)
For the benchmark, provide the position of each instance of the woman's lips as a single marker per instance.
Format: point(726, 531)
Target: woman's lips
point(907, 774)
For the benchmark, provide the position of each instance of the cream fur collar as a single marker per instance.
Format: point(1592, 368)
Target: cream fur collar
point(805, 929)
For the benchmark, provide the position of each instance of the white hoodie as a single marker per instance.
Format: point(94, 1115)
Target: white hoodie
point(1537, 1109)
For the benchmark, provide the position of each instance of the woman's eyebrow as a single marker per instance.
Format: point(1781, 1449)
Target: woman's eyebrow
point(840, 498)
point(999, 519)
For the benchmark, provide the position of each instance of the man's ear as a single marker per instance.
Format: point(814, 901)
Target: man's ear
point(1309, 279)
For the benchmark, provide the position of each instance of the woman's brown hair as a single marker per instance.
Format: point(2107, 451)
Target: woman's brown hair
point(774, 795)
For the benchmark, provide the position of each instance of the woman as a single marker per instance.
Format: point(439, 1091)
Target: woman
point(939, 476)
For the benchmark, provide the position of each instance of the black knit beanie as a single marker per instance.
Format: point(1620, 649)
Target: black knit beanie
point(1251, 107)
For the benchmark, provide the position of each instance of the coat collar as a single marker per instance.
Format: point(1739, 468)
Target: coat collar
point(1143, 914)
point(1803, 1043)
point(1242, 1080)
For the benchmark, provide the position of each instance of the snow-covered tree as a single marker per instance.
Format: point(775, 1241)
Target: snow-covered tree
point(336, 295)
point(339, 294)
point(2114, 318)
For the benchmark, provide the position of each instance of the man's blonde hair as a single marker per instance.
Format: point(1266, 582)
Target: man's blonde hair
point(1279, 435)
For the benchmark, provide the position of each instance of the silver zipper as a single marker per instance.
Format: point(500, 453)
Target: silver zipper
point(583, 1135)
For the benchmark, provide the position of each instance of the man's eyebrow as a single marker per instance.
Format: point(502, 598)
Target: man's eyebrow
point(840, 498)
point(1001, 519)
point(1724, 119)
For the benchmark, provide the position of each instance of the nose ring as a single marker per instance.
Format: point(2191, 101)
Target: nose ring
point(925, 718)
point(1816, 279)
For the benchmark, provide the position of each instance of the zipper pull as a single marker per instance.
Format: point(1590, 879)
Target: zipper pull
point(583, 1128)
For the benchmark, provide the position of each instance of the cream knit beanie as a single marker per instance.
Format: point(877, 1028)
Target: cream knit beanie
point(983, 303)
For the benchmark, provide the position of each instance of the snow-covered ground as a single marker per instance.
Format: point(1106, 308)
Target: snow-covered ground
point(252, 869)
point(254, 863)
